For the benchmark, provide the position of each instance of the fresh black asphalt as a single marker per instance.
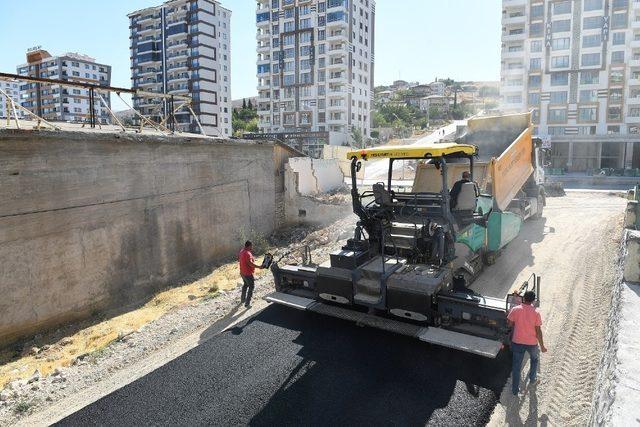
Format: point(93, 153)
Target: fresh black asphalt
point(286, 367)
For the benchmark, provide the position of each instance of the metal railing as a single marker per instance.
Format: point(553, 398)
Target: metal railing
point(164, 112)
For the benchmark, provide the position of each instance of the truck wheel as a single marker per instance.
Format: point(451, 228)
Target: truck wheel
point(489, 258)
point(540, 206)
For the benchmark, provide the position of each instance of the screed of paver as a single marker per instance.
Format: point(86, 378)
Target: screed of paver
point(575, 249)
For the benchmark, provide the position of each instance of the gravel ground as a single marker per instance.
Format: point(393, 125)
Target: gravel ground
point(25, 397)
point(575, 248)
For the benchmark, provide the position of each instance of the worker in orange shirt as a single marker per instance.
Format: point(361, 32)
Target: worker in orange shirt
point(527, 335)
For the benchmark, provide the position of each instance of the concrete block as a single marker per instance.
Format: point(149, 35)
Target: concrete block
point(631, 214)
point(632, 256)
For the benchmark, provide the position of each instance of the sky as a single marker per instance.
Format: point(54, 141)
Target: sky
point(416, 40)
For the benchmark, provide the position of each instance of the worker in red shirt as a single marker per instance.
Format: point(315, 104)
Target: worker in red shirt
point(526, 323)
point(247, 267)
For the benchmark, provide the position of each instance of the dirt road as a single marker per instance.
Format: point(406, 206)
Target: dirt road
point(574, 247)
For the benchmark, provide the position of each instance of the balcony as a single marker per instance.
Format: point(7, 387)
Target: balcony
point(632, 119)
point(336, 35)
point(507, 54)
point(508, 37)
point(635, 23)
point(635, 43)
point(337, 93)
point(633, 101)
point(510, 4)
point(513, 20)
point(338, 78)
point(340, 50)
point(634, 81)
point(512, 71)
point(635, 62)
point(336, 64)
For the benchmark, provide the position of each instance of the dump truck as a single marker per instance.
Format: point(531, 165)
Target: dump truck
point(509, 183)
point(408, 265)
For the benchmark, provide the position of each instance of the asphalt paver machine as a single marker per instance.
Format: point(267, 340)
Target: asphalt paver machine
point(400, 271)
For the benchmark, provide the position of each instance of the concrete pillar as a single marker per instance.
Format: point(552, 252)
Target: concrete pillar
point(628, 158)
point(598, 164)
point(570, 156)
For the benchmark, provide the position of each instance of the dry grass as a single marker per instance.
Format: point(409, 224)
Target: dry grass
point(96, 336)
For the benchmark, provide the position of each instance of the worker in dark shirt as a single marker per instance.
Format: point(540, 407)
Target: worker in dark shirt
point(455, 190)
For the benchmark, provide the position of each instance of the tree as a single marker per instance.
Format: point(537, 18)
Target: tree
point(244, 103)
point(358, 139)
point(379, 121)
point(249, 105)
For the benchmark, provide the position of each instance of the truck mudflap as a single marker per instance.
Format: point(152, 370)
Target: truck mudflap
point(433, 335)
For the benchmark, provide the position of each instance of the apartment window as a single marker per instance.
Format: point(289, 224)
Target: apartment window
point(305, 37)
point(555, 130)
point(592, 5)
point(534, 98)
point(587, 96)
point(589, 77)
point(557, 115)
point(561, 7)
point(615, 95)
point(561, 26)
point(305, 64)
point(535, 81)
point(594, 40)
point(559, 79)
point(288, 80)
point(515, 48)
point(305, 51)
point(560, 43)
point(590, 59)
point(514, 99)
point(618, 38)
point(289, 27)
point(535, 64)
point(616, 77)
point(586, 130)
point(588, 114)
point(560, 61)
point(613, 130)
point(592, 22)
point(536, 46)
point(537, 11)
point(617, 57)
point(305, 23)
point(614, 113)
point(536, 29)
point(305, 10)
point(322, 35)
point(558, 97)
point(619, 20)
point(289, 40)
point(634, 111)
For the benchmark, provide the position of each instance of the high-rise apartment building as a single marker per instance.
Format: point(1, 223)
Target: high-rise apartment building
point(183, 47)
point(55, 102)
point(315, 68)
point(576, 65)
point(12, 89)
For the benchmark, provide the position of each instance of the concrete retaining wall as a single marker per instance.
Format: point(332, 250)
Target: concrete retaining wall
point(93, 221)
point(616, 397)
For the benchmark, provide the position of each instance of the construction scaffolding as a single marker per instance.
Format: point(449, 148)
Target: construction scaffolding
point(167, 123)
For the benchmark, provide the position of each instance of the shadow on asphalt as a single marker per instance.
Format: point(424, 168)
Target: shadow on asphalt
point(348, 374)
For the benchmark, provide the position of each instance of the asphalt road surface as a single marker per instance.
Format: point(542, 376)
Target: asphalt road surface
point(284, 367)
